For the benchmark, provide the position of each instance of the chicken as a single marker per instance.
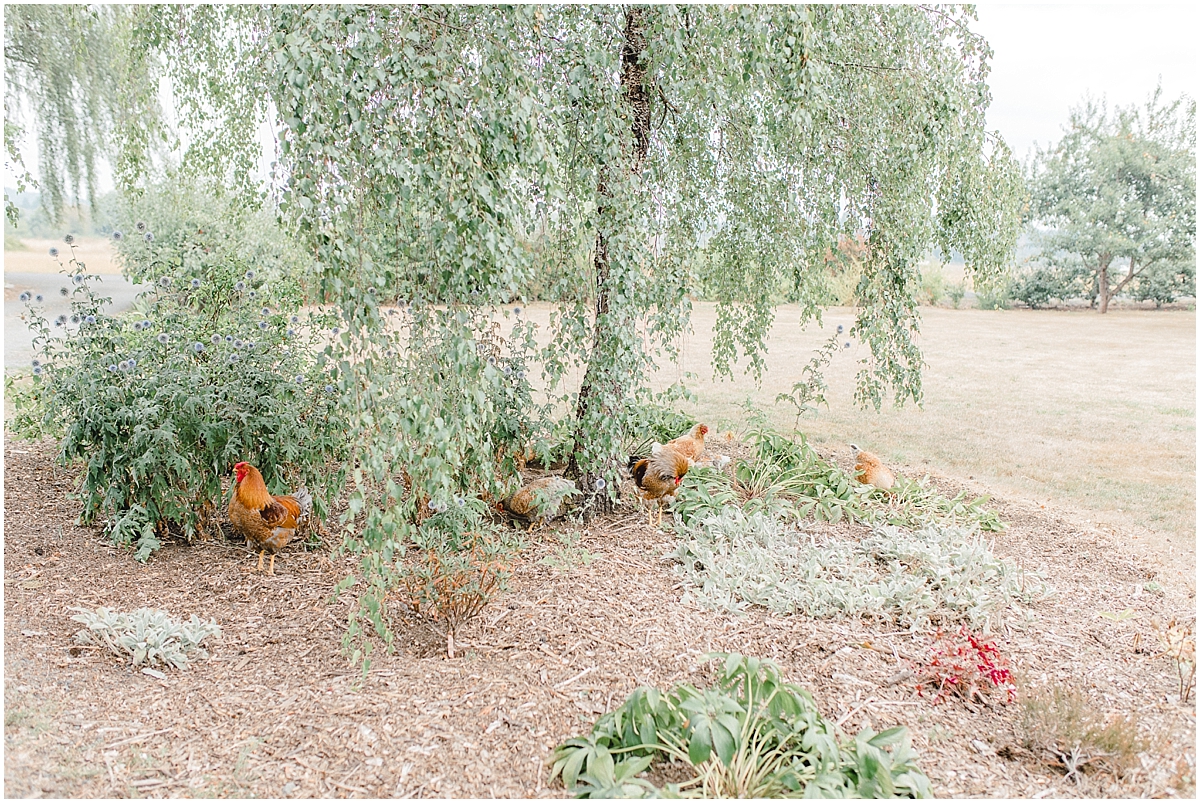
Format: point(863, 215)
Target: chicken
point(690, 445)
point(870, 470)
point(541, 500)
point(658, 476)
point(267, 521)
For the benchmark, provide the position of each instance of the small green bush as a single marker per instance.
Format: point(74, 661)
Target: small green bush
point(750, 736)
point(1039, 286)
point(994, 297)
point(933, 285)
point(212, 367)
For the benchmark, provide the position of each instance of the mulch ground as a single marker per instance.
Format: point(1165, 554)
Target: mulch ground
point(278, 711)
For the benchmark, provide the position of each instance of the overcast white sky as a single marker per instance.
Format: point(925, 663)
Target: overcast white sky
point(1047, 57)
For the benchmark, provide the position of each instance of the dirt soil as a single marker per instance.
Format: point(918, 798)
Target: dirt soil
point(277, 711)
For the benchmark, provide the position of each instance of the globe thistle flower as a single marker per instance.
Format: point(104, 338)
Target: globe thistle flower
point(137, 326)
point(329, 388)
point(240, 286)
point(62, 291)
point(132, 363)
point(491, 360)
point(507, 371)
point(234, 357)
point(263, 325)
point(299, 379)
point(112, 369)
point(90, 319)
point(253, 294)
point(38, 298)
point(198, 347)
point(37, 371)
point(35, 363)
point(123, 366)
point(237, 343)
point(371, 291)
point(516, 310)
point(841, 329)
point(140, 226)
point(216, 339)
point(145, 323)
point(165, 281)
point(847, 345)
point(391, 311)
point(250, 345)
point(295, 319)
point(195, 284)
point(54, 252)
point(77, 278)
point(69, 239)
point(461, 502)
point(600, 483)
point(149, 237)
point(164, 338)
point(75, 318)
point(25, 296)
point(249, 275)
point(118, 236)
point(228, 338)
point(520, 374)
point(291, 332)
point(336, 331)
point(61, 320)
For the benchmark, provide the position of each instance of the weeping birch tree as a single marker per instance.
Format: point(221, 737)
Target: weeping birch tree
point(440, 155)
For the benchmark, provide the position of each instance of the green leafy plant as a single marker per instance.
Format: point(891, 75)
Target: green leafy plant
point(146, 636)
point(915, 579)
point(955, 292)
point(808, 394)
point(211, 367)
point(750, 735)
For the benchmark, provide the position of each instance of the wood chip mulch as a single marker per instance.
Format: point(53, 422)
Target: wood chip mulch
point(278, 711)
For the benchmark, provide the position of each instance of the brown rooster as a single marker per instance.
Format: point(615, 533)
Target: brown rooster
point(870, 469)
point(267, 521)
point(690, 445)
point(658, 476)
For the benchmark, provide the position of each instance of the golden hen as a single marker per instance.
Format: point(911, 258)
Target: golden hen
point(541, 501)
point(267, 521)
point(869, 469)
point(658, 476)
point(690, 445)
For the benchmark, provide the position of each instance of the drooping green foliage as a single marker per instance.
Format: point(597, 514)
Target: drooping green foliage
point(750, 735)
point(448, 156)
point(1118, 193)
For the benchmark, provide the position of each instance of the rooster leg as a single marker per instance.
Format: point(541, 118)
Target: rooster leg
point(260, 557)
point(271, 571)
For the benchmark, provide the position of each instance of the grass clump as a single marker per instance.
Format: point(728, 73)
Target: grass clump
point(146, 636)
point(750, 735)
point(1060, 725)
point(918, 579)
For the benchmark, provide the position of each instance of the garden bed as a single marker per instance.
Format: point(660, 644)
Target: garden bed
point(277, 711)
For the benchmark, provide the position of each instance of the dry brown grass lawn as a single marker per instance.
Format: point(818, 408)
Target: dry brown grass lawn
point(1094, 415)
point(95, 252)
point(1071, 408)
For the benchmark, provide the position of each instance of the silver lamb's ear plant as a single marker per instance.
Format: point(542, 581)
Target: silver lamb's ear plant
point(146, 636)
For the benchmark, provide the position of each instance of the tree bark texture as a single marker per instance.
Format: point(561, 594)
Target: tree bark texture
point(636, 96)
point(1103, 282)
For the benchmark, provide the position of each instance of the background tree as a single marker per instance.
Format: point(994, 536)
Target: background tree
point(1117, 196)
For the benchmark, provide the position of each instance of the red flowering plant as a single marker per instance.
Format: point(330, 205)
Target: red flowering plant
point(964, 665)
